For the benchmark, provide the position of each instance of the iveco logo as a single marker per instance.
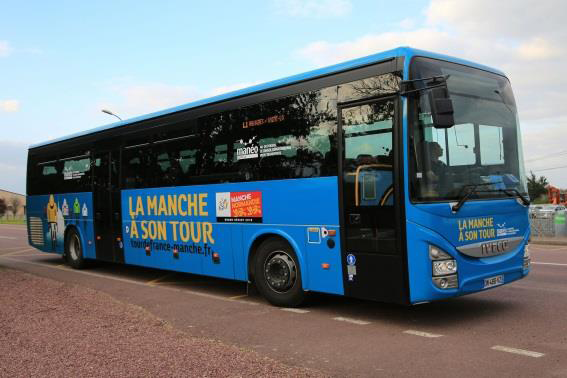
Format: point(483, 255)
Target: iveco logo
point(491, 248)
point(494, 248)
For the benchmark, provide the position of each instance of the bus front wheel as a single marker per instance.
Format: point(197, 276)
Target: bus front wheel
point(74, 250)
point(277, 274)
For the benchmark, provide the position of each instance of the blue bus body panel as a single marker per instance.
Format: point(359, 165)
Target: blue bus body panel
point(199, 221)
point(477, 221)
point(70, 209)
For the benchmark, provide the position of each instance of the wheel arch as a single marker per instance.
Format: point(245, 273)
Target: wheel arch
point(68, 229)
point(259, 237)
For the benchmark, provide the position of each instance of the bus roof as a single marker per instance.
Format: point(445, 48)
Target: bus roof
point(406, 52)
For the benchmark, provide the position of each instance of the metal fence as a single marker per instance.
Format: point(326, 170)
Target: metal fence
point(548, 225)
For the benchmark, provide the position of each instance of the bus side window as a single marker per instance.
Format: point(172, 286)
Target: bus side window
point(136, 166)
point(290, 137)
point(49, 177)
point(175, 158)
point(77, 175)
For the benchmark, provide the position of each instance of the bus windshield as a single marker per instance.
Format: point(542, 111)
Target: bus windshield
point(483, 147)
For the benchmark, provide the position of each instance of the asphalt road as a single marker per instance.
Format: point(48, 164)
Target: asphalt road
point(515, 330)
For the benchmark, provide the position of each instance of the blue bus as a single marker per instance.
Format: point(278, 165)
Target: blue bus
point(396, 177)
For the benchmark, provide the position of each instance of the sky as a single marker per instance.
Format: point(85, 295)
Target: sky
point(61, 62)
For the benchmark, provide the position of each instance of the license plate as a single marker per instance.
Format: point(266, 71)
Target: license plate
point(493, 281)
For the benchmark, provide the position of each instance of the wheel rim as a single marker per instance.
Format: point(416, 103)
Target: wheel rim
point(280, 271)
point(75, 247)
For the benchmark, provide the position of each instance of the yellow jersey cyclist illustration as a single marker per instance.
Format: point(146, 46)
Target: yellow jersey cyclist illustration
point(52, 220)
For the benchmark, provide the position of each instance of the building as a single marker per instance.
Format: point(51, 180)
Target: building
point(15, 204)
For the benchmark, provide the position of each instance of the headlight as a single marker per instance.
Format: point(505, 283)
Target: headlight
point(444, 267)
point(527, 251)
point(527, 257)
point(436, 253)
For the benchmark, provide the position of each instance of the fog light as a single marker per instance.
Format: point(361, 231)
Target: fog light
point(444, 267)
point(447, 282)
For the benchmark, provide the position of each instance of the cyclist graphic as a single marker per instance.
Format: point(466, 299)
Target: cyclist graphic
point(77, 211)
point(52, 220)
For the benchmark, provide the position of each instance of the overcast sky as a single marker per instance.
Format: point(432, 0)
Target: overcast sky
point(63, 61)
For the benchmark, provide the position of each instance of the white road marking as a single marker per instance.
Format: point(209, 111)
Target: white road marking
point(546, 263)
point(522, 352)
point(421, 333)
point(187, 291)
point(350, 320)
point(8, 237)
point(296, 310)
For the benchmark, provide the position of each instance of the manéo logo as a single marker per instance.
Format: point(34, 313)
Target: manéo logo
point(249, 150)
point(239, 207)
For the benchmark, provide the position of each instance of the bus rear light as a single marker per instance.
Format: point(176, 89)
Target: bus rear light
point(148, 250)
point(98, 237)
point(118, 239)
point(175, 253)
point(326, 266)
point(332, 232)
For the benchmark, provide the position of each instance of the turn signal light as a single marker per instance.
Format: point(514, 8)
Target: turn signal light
point(332, 232)
point(325, 265)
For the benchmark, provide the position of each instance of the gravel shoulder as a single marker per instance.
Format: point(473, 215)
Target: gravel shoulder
point(50, 328)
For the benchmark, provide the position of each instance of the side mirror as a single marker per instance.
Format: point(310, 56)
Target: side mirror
point(441, 104)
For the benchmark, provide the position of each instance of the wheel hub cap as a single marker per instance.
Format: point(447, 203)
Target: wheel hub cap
point(280, 272)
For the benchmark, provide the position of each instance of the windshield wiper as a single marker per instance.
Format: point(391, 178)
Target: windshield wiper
point(513, 192)
point(470, 190)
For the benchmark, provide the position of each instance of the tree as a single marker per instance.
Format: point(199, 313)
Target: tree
point(15, 203)
point(2, 207)
point(537, 186)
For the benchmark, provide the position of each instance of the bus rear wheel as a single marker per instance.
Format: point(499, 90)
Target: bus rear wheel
point(277, 274)
point(74, 250)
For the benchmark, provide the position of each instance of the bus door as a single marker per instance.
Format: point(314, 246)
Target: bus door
point(370, 220)
point(107, 207)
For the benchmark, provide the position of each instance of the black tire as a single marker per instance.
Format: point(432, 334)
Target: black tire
point(74, 250)
point(277, 275)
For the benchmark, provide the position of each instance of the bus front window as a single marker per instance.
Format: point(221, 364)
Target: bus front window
point(483, 147)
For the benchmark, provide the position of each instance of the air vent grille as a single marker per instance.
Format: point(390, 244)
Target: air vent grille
point(35, 230)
